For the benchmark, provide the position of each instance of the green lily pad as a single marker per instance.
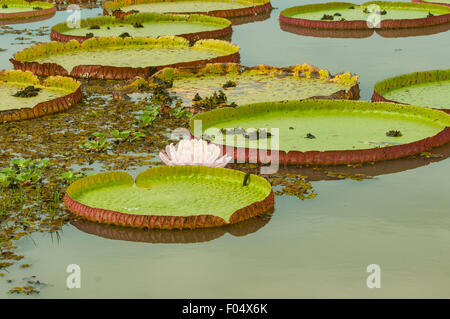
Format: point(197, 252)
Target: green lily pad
point(325, 125)
point(143, 24)
point(339, 14)
point(170, 191)
point(13, 8)
point(429, 88)
point(121, 58)
point(182, 6)
point(21, 91)
point(259, 84)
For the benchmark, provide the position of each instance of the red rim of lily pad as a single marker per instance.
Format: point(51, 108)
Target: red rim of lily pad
point(262, 8)
point(26, 20)
point(116, 72)
point(362, 24)
point(331, 157)
point(364, 170)
point(162, 221)
point(432, 2)
point(25, 15)
point(162, 236)
point(406, 80)
point(225, 29)
point(43, 108)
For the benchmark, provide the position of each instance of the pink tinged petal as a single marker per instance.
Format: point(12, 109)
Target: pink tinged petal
point(171, 153)
point(165, 159)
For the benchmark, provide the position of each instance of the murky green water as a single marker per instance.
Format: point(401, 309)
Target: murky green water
point(312, 248)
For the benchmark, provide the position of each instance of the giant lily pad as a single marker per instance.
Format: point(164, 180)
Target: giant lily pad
point(218, 8)
point(386, 15)
point(33, 98)
point(20, 10)
point(365, 33)
point(260, 83)
point(171, 197)
point(121, 58)
point(190, 27)
point(323, 132)
point(430, 88)
point(243, 85)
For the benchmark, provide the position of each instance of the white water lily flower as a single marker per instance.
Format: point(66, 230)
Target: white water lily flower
point(194, 152)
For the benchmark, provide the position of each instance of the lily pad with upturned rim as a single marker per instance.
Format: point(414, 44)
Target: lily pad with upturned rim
point(429, 88)
point(121, 58)
point(22, 10)
point(217, 8)
point(258, 84)
point(170, 197)
point(55, 94)
point(191, 27)
point(399, 15)
point(346, 131)
point(365, 33)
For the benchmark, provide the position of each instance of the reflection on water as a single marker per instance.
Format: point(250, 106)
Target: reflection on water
point(158, 236)
point(368, 169)
point(250, 19)
point(365, 33)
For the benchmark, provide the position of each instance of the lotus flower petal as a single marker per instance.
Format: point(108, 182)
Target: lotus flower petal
point(166, 160)
point(194, 152)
